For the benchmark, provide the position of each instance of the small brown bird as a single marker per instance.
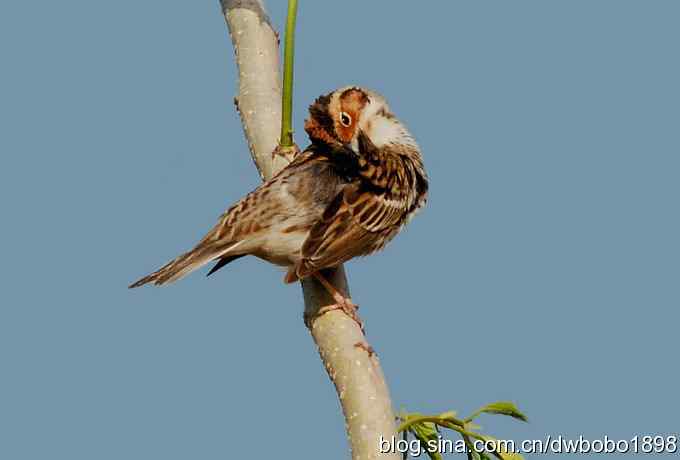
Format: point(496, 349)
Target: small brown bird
point(346, 195)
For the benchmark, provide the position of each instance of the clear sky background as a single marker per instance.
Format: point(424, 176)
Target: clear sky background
point(545, 268)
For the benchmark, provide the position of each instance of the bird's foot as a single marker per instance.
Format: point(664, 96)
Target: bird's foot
point(347, 307)
point(342, 302)
point(350, 309)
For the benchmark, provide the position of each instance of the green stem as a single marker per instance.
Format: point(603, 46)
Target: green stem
point(451, 423)
point(468, 443)
point(406, 424)
point(462, 431)
point(472, 417)
point(288, 62)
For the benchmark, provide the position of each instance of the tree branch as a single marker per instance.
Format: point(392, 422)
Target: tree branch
point(355, 372)
point(259, 93)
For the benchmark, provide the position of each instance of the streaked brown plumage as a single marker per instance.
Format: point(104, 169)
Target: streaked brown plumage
point(347, 195)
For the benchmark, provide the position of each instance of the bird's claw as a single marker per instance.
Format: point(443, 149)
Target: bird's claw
point(347, 307)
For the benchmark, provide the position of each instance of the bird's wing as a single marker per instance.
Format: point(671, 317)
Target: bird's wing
point(235, 232)
point(366, 213)
point(355, 223)
point(358, 222)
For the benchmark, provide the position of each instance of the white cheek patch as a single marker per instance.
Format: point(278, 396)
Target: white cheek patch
point(383, 131)
point(381, 126)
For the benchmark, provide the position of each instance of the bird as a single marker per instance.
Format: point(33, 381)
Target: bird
point(350, 192)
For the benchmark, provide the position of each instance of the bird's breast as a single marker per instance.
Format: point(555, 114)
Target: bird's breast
point(282, 245)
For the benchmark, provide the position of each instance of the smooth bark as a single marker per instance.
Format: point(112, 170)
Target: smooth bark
point(355, 372)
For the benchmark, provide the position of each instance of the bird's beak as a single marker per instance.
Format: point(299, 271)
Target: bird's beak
point(349, 151)
point(353, 145)
point(363, 145)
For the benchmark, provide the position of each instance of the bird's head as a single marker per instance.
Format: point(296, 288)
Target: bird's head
point(347, 116)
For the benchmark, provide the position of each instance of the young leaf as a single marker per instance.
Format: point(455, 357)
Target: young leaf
point(450, 415)
point(474, 454)
point(503, 408)
point(509, 456)
point(500, 450)
point(427, 431)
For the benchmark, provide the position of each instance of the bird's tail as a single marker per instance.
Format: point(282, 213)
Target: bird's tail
point(186, 263)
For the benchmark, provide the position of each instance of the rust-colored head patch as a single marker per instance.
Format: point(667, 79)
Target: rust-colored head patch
point(351, 102)
point(353, 98)
point(334, 117)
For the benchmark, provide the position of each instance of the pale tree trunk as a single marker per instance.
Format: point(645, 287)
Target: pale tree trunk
point(356, 373)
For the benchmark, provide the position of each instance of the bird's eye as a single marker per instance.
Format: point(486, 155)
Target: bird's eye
point(345, 119)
